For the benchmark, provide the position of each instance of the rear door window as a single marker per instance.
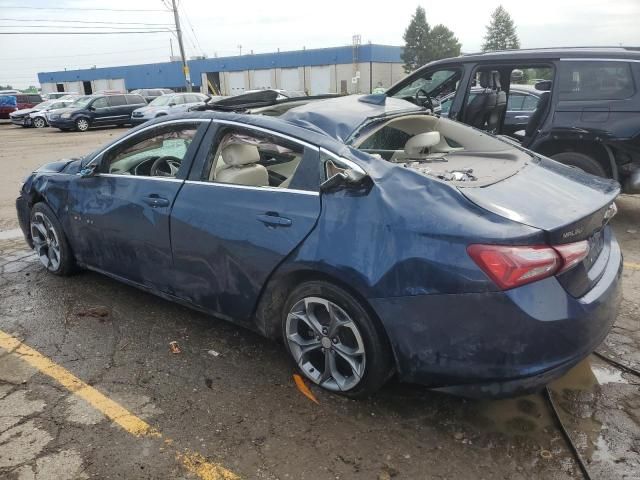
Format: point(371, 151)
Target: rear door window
point(117, 100)
point(530, 103)
point(595, 80)
point(514, 104)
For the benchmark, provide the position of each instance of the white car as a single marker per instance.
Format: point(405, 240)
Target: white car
point(36, 116)
point(169, 104)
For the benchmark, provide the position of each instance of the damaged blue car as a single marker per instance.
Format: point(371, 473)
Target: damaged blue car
point(372, 237)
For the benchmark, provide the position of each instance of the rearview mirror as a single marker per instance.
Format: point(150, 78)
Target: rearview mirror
point(172, 104)
point(343, 178)
point(87, 171)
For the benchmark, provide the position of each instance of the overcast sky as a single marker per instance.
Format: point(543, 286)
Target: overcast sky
point(220, 26)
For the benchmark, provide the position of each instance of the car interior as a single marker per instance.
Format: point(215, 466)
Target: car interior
point(246, 159)
point(443, 149)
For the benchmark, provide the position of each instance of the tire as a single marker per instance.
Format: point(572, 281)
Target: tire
point(50, 242)
point(583, 162)
point(39, 122)
point(82, 124)
point(357, 344)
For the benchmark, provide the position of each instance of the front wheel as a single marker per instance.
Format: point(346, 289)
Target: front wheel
point(82, 124)
point(49, 241)
point(39, 122)
point(333, 340)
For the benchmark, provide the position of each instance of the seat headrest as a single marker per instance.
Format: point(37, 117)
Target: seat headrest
point(496, 80)
point(485, 79)
point(238, 154)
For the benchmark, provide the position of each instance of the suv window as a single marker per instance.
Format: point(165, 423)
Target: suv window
point(100, 103)
point(117, 100)
point(135, 99)
point(584, 80)
point(35, 98)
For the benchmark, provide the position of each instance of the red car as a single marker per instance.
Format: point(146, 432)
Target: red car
point(11, 102)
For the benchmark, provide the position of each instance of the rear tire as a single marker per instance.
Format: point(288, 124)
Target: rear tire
point(50, 242)
point(334, 342)
point(582, 161)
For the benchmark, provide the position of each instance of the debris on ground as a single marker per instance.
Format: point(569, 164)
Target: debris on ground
point(95, 312)
point(213, 353)
point(302, 387)
point(174, 348)
point(546, 454)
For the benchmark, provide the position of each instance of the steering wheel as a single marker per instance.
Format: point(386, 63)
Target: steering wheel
point(427, 103)
point(166, 166)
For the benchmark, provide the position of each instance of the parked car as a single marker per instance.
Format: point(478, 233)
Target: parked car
point(40, 118)
point(11, 102)
point(169, 104)
point(521, 104)
point(25, 117)
point(588, 115)
point(371, 238)
point(96, 110)
point(59, 95)
point(151, 94)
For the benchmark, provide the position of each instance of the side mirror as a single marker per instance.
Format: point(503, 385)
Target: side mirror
point(87, 171)
point(172, 104)
point(92, 108)
point(342, 179)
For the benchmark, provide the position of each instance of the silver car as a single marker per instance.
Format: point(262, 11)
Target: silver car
point(167, 105)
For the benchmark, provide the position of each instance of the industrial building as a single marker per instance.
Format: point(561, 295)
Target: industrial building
point(349, 69)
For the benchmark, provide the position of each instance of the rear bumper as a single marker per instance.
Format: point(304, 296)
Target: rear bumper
point(500, 343)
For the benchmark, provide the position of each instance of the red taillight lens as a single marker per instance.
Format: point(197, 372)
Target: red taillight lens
point(511, 267)
point(572, 254)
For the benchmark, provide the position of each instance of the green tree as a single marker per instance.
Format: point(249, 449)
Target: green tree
point(501, 32)
point(443, 43)
point(423, 44)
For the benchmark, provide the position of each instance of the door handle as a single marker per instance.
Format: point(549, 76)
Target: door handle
point(154, 200)
point(272, 219)
point(521, 116)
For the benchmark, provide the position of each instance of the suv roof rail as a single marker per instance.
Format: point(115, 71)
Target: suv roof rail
point(552, 49)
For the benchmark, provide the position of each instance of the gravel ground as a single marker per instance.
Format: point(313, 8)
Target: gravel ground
point(241, 410)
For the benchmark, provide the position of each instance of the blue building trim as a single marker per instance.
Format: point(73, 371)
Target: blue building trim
point(169, 74)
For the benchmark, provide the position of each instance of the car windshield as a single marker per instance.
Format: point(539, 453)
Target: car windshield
point(82, 101)
point(44, 104)
point(428, 83)
point(162, 100)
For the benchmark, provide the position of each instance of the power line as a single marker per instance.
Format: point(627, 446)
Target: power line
point(82, 21)
point(21, 7)
point(81, 54)
point(81, 27)
point(83, 33)
point(184, 10)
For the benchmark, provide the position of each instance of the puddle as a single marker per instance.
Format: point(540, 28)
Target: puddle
point(608, 375)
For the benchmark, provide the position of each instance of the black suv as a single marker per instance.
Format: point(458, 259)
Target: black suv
point(97, 110)
point(587, 115)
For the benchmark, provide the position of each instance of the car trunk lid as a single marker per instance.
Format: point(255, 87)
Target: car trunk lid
point(566, 203)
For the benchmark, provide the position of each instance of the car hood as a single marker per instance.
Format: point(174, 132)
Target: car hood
point(341, 118)
point(25, 111)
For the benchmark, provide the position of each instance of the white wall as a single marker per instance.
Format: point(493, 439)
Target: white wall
point(261, 79)
point(289, 79)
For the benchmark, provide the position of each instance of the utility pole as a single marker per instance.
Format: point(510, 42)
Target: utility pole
point(185, 67)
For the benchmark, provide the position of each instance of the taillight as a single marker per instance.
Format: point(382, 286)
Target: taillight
point(572, 254)
point(513, 266)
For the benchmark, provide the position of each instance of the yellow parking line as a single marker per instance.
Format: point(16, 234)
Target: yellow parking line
point(191, 461)
point(632, 266)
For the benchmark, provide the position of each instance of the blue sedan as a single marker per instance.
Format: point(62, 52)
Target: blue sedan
point(373, 238)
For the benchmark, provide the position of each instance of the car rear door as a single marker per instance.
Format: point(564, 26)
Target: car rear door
point(229, 236)
point(120, 110)
point(119, 217)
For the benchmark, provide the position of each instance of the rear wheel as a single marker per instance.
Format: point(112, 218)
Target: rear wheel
point(82, 124)
point(49, 241)
point(39, 122)
point(333, 340)
point(582, 161)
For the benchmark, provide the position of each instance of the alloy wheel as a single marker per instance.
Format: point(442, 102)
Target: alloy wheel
point(39, 122)
point(82, 124)
point(326, 344)
point(45, 241)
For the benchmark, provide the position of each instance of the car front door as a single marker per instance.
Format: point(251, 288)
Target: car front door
point(119, 216)
point(100, 111)
point(252, 202)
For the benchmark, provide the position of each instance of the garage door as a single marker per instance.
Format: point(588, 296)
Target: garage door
point(236, 83)
point(261, 79)
point(320, 80)
point(290, 79)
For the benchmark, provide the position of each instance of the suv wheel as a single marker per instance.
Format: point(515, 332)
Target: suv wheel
point(39, 122)
point(581, 161)
point(333, 340)
point(82, 124)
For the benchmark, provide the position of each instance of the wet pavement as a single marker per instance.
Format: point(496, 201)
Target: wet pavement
point(240, 413)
